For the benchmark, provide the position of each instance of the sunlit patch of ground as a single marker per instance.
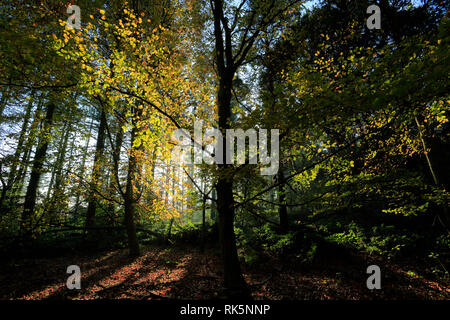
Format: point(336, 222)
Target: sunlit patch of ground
point(186, 273)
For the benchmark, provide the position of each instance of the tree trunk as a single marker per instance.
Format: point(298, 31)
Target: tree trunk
point(169, 230)
point(202, 248)
point(18, 186)
point(58, 162)
point(36, 171)
point(213, 213)
point(2, 198)
point(233, 280)
point(83, 163)
point(130, 202)
point(92, 205)
point(20, 142)
point(58, 186)
point(4, 101)
point(282, 210)
point(19, 177)
point(12, 177)
point(116, 159)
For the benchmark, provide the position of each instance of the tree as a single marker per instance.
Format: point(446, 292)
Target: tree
point(250, 21)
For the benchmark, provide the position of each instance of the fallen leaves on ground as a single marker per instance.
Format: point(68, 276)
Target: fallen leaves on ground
point(186, 273)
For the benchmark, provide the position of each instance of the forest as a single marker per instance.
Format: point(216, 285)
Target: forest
point(213, 149)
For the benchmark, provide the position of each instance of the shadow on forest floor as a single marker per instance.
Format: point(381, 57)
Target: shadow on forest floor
point(186, 273)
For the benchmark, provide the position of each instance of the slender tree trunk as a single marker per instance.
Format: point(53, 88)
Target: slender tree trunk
point(83, 168)
point(130, 202)
point(20, 142)
point(4, 101)
point(58, 189)
point(430, 166)
point(202, 248)
point(282, 210)
point(169, 230)
point(213, 212)
point(70, 165)
point(36, 171)
point(59, 158)
point(12, 177)
point(19, 185)
point(2, 198)
point(116, 159)
point(92, 205)
point(3, 193)
point(23, 167)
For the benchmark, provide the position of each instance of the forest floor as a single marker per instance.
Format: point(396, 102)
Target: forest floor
point(186, 273)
